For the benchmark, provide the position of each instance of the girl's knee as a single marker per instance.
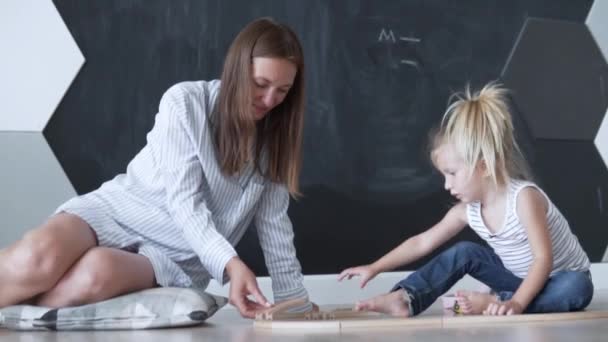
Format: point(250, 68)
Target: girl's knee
point(575, 289)
point(577, 282)
point(582, 290)
point(463, 248)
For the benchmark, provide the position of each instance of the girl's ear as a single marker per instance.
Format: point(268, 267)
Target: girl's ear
point(483, 167)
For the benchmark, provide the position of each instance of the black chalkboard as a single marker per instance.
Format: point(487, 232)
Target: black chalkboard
point(378, 77)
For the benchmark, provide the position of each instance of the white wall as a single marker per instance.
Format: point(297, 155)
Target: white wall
point(597, 21)
point(38, 62)
point(598, 24)
point(32, 182)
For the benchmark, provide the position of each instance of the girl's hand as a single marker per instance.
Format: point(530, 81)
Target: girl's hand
point(508, 308)
point(243, 284)
point(366, 272)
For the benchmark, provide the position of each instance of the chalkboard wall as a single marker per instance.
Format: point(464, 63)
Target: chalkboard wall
point(378, 77)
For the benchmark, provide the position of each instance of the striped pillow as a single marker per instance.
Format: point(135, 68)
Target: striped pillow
point(153, 308)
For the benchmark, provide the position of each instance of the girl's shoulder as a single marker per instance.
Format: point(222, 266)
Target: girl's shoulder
point(516, 186)
point(526, 193)
point(459, 211)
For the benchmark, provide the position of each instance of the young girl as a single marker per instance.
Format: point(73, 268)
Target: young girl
point(221, 155)
point(534, 262)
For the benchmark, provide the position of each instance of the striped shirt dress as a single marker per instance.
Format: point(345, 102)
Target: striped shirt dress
point(174, 205)
point(511, 243)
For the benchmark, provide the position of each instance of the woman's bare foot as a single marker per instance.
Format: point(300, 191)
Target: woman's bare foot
point(473, 302)
point(392, 303)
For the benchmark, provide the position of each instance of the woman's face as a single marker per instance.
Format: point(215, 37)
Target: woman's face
point(272, 79)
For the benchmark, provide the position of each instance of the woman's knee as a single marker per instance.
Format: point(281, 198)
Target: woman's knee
point(49, 249)
point(103, 273)
point(35, 256)
point(92, 276)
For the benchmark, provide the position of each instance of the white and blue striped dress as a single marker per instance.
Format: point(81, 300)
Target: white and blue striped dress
point(177, 208)
point(511, 243)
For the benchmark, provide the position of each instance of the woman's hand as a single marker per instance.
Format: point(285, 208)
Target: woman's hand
point(508, 308)
point(366, 272)
point(243, 284)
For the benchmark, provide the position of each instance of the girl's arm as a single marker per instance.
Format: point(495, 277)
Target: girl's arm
point(532, 212)
point(415, 247)
point(426, 242)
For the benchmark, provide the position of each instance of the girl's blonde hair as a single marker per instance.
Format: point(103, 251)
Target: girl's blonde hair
point(480, 127)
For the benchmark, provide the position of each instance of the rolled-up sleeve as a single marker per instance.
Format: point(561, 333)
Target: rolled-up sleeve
point(275, 233)
point(183, 177)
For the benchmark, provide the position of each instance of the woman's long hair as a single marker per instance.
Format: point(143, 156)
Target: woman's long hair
point(238, 137)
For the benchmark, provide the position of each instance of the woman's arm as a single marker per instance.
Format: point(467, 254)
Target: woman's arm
point(178, 127)
point(182, 175)
point(275, 233)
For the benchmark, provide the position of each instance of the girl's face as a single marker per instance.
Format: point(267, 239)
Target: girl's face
point(456, 173)
point(272, 79)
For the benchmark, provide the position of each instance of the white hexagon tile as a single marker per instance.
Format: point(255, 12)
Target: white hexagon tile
point(39, 61)
point(596, 21)
point(598, 25)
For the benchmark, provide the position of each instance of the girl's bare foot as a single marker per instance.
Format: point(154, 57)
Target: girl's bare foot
point(473, 302)
point(393, 303)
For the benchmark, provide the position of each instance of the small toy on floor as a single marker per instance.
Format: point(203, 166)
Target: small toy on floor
point(450, 304)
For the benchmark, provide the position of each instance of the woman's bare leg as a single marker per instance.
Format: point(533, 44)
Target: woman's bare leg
point(100, 274)
point(35, 263)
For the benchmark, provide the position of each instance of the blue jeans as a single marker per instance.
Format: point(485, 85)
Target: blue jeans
point(564, 291)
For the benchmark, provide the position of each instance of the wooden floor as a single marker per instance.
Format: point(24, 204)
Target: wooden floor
point(227, 325)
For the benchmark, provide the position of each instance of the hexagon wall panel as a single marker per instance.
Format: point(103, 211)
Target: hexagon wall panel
point(574, 176)
point(362, 98)
point(138, 49)
point(559, 79)
point(557, 75)
point(598, 25)
point(38, 62)
point(601, 140)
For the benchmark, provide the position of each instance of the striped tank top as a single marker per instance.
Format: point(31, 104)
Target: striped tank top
point(510, 242)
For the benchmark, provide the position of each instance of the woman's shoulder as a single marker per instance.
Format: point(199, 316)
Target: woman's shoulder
point(191, 101)
point(189, 94)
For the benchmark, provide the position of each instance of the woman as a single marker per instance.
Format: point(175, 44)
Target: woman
point(222, 154)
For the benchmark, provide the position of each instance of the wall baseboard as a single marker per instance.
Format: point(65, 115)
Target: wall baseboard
point(325, 289)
